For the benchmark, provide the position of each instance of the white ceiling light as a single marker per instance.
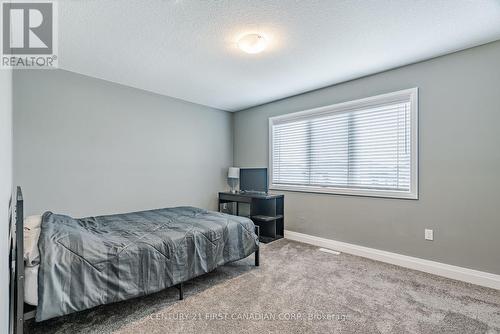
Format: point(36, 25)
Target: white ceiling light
point(252, 43)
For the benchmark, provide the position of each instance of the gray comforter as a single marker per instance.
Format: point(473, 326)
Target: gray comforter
point(99, 260)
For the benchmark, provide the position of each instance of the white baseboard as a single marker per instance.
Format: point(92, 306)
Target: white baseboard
point(437, 268)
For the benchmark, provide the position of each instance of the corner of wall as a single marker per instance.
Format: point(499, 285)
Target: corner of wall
point(233, 138)
point(5, 191)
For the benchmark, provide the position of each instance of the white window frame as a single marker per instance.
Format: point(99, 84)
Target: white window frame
point(411, 94)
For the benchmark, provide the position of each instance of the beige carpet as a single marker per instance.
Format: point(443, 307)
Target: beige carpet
point(299, 289)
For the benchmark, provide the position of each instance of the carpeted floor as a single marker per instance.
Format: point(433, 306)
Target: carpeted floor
point(299, 289)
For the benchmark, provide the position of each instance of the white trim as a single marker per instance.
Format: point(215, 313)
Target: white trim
point(411, 93)
point(437, 268)
point(345, 191)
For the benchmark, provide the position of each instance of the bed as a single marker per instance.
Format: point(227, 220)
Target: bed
point(86, 262)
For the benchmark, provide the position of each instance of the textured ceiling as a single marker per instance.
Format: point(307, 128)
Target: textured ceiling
point(186, 48)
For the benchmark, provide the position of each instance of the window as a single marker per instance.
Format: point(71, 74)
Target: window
point(366, 147)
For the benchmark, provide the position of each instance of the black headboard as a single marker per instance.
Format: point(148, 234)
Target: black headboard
point(11, 265)
point(17, 264)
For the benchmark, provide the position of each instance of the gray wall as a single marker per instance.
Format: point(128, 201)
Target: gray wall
point(84, 146)
point(5, 191)
point(459, 164)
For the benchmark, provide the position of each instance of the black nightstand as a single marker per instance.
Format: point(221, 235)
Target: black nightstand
point(266, 211)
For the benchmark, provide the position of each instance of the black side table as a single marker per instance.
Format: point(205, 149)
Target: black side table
point(266, 211)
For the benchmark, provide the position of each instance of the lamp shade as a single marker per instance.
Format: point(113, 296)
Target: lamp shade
point(233, 173)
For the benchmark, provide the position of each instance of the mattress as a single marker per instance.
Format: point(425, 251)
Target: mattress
point(93, 261)
point(31, 285)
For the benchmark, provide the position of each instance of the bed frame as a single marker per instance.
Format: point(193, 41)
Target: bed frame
point(19, 311)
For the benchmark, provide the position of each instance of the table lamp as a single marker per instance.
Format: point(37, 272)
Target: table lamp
point(233, 174)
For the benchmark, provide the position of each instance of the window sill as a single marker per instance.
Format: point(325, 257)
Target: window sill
point(347, 191)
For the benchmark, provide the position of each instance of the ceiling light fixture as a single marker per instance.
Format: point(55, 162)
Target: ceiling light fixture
point(252, 43)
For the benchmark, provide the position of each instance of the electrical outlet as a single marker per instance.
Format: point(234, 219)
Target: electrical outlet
point(429, 234)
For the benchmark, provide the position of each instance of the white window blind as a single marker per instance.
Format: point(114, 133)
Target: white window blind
point(364, 147)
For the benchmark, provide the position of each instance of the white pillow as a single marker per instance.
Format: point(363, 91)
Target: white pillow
point(32, 226)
